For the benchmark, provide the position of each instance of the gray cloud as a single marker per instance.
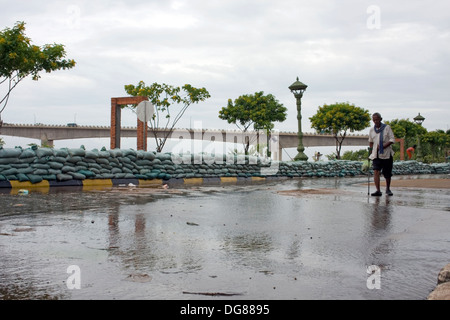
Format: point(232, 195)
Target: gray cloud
point(239, 47)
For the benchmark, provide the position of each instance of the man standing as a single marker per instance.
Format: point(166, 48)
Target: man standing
point(381, 138)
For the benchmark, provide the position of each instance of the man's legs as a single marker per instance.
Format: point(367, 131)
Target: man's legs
point(387, 172)
point(377, 166)
point(376, 179)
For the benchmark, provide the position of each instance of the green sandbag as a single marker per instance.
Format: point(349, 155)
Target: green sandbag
point(77, 176)
point(93, 154)
point(25, 170)
point(27, 153)
point(35, 178)
point(11, 171)
point(10, 152)
point(9, 160)
point(87, 173)
point(66, 169)
point(55, 165)
point(44, 152)
point(22, 177)
point(49, 177)
point(77, 152)
point(63, 177)
point(61, 152)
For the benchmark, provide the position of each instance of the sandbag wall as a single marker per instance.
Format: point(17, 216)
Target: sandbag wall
point(37, 164)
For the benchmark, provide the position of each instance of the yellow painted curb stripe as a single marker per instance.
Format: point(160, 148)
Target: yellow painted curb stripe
point(258, 179)
point(97, 182)
point(228, 179)
point(150, 182)
point(193, 181)
point(28, 184)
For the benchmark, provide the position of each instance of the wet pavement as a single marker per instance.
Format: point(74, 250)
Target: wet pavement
point(289, 239)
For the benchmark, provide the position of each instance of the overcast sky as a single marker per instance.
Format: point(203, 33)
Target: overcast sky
point(390, 57)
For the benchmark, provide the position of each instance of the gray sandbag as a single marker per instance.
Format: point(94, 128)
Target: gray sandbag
point(35, 178)
point(59, 159)
point(11, 171)
point(67, 168)
point(102, 161)
point(92, 154)
point(87, 173)
point(77, 176)
point(22, 177)
point(55, 165)
point(54, 171)
point(25, 170)
point(116, 170)
point(27, 153)
point(103, 154)
point(64, 152)
point(115, 153)
point(10, 152)
point(44, 152)
point(9, 160)
point(40, 172)
point(77, 152)
point(63, 177)
point(74, 159)
point(128, 152)
point(49, 177)
point(27, 160)
point(40, 166)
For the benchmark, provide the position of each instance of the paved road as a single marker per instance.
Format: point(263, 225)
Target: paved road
point(291, 239)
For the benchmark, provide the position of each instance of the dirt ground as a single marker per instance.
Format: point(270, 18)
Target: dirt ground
point(419, 183)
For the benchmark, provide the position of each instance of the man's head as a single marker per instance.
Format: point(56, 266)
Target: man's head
point(376, 118)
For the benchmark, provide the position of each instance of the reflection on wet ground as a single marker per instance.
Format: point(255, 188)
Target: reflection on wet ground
point(291, 239)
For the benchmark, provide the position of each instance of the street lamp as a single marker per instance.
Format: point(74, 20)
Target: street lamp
point(419, 120)
point(297, 88)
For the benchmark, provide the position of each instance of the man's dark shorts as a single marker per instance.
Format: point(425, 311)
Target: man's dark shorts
point(383, 165)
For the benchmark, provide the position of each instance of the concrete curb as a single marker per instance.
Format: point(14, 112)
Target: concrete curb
point(47, 184)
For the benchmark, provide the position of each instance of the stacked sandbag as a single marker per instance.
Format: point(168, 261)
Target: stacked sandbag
point(411, 167)
point(36, 164)
point(441, 168)
point(335, 168)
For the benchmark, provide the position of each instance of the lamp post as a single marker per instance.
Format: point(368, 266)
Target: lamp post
point(419, 120)
point(297, 88)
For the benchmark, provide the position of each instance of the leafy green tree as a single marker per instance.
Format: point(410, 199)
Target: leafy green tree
point(20, 59)
point(163, 97)
point(407, 130)
point(256, 109)
point(359, 155)
point(339, 118)
point(437, 142)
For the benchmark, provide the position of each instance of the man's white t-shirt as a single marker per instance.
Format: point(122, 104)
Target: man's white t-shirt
point(388, 135)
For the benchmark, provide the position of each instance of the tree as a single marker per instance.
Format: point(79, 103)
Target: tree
point(339, 118)
point(256, 109)
point(162, 96)
point(438, 142)
point(20, 59)
point(407, 130)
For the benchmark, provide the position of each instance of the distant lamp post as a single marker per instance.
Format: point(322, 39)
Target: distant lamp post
point(297, 88)
point(419, 120)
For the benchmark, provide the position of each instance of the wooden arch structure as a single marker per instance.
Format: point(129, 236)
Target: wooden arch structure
point(116, 110)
